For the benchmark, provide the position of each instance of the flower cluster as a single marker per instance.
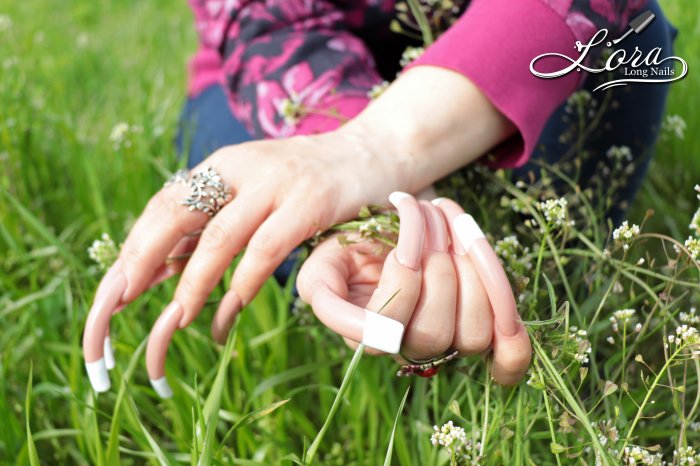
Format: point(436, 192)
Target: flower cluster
point(686, 336)
point(515, 256)
point(103, 251)
point(410, 54)
point(377, 90)
point(583, 346)
point(623, 316)
point(454, 440)
point(675, 125)
point(686, 457)
point(689, 317)
point(625, 234)
point(619, 153)
point(636, 455)
point(693, 246)
point(121, 135)
point(555, 212)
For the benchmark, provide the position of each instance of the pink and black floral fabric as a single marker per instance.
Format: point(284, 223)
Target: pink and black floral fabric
point(274, 57)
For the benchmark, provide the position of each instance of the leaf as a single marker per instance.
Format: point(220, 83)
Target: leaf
point(213, 403)
point(31, 447)
point(313, 449)
point(390, 448)
point(454, 407)
point(254, 416)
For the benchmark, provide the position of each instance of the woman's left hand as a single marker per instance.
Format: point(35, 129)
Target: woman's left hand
point(429, 283)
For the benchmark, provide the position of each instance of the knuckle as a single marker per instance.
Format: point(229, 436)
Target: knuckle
point(265, 246)
point(473, 342)
point(426, 342)
point(214, 237)
point(132, 255)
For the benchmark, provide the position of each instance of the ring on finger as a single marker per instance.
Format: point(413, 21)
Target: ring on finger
point(425, 368)
point(208, 191)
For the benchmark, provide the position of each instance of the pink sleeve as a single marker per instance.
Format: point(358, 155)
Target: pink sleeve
point(287, 66)
point(492, 44)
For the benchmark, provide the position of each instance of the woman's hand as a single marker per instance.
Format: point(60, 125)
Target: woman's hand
point(284, 191)
point(429, 284)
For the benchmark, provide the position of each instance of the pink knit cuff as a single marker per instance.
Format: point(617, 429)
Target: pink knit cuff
point(492, 44)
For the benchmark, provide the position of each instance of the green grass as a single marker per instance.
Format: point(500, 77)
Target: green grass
point(70, 72)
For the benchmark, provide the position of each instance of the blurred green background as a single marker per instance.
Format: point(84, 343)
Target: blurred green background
point(70, 72)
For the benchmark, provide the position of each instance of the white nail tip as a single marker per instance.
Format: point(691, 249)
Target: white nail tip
point(162, 388)
point(382, 333)
point(109, 354)
point(467, 230)
point(396, 197)
point(97, 373)
point(437, 201)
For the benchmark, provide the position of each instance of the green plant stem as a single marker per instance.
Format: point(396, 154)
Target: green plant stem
point(646, 400)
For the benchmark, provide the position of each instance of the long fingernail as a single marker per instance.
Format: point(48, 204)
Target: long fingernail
point(162, 387)
point(411, 230)
point(97, 373)
point(449, 210)
point(435, 233)
point(225, 316)
point(96, 329)
point(382, 333)
point(157, 347)
point(467, 230)
point(109, 354)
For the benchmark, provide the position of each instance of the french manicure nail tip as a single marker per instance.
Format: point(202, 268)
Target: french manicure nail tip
point(108, 354)
point(97, 373)
point(396, 197)
point(382, 333)
point(467, 230)
point(162, 387)
point(437, 201)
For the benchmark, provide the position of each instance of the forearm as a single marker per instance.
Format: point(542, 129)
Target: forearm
point(428, 123)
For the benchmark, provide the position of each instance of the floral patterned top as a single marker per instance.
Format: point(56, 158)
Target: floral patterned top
point(304, 66)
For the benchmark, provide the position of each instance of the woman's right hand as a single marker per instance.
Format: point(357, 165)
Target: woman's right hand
point(429, 283)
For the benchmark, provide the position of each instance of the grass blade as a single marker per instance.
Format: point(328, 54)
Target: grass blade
point(313, 449)
point(390, 448)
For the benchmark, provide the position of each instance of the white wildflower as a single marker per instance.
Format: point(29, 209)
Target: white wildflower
point(625, 234)
point(611, 340)
point(693, 246)
point(579, 99)
point(121, 135)
point(454, 440)
point(5, 23)
point(635, 455)
point(619, 153)
point(674, 124)
point(689, 317)
point(410, 54)
point(686, 456)
point(378, 89)
point(103, 251)
point(695, 222)
point(555, 212)
point(583, 345)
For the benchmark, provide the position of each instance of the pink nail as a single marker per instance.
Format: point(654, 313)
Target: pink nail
point(157, 348)
point(229, 307)
point(450, 210)
point(411, 230)
point(436, 233)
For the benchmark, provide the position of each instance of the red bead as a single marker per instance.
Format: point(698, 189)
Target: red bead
point(429, 372)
